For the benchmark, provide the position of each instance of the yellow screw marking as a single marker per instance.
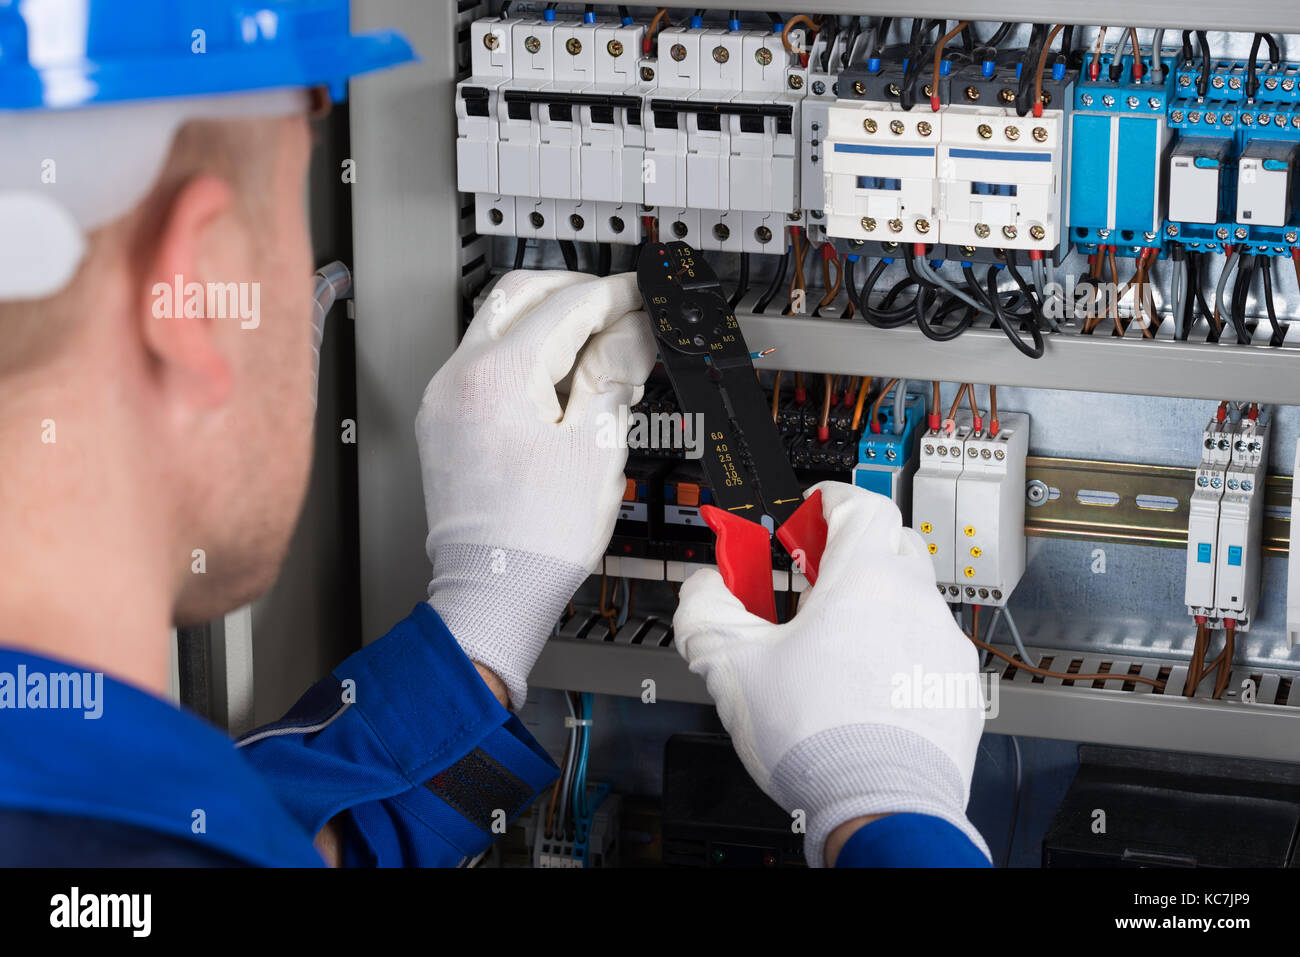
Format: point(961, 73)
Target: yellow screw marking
point(927, 528)
point(968, 572)
point(934, 549)
point(969, 530)
point(975, 551)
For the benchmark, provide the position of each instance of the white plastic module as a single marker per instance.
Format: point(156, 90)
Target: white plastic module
point(764, 146)
point(934, 500)
point(990, 516)
point(880, 172)
point(518, 112)
point(477, 102)
point(1002, 178)
point(1195, 168)
point(560, 139)
point(814, 121)
point(1264, 182)
point(1203, 518)
point(1241, 524)
point(613, 139)
point(708, 128)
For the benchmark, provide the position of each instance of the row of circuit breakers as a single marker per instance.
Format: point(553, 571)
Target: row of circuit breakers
point(581, 130)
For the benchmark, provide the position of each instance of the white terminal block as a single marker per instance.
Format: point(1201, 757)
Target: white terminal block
point(494, 215)
point(814, 120)
point(1293, 561)
point(764, 161)
point(560, 140)
point(990, 515)
point(613, 139)
point(477, 106)
point(881, 173)
point(934, 501)
point(708, 126)
point(1241, 525)
point(721, 230)
point(675, 76)
point(1002, 178)
point(1203, 519)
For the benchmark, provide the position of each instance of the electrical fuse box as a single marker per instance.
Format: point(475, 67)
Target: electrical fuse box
point(880, 173)
point(1241, 521)
point(1195, 177)
point(887, 459)
point(989, 551)
point(1265, 182)
point(934, 500)
point(1001, 178)
point(1203, 518)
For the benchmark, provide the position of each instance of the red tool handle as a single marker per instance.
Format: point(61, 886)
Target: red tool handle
point(744, 552)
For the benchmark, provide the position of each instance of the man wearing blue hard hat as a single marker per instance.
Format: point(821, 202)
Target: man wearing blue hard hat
point(147, 154)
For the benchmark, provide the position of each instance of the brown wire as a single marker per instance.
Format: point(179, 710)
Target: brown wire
point(1137, 50)
point(1197, 661)
point(956, 403)
point(1042, 65)
point(934, 397)
point(1224, 665)
point(1114, 280)
point(655, 22)
point(832, 291)
point(1065, 676)
point(875, 406)
point(974, 411)
point(938, 57)
point(790, 25)
point(800, 253)
point(863, 389)
point(824, 422)
point(776, 395)
point(993, 404)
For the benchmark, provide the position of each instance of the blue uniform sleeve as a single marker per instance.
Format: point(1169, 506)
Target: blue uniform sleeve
point(407, 743)
point(910, 840)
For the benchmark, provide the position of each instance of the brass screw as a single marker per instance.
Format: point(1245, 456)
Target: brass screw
point(647, 74)
point(795, 82)
point(496, 216)
point(678, 52)
point(491, 41)
point(532, 44)
point(968, 250)
point(1241, 232)
point(1037, 232)
point(922, 225)
point(1012, 132)
point(614, 48)
point(859, 88)
point(868, 224)
point(721, 232)
point(870, 125)
point(1046, 99)
point(573, 45)
point(985, 131)
point(1009, 232)
point(972, 94)
point(893, 90)
point(928, 90)
point(1007, 95)
point(896, 225)
point(924, 128)
point(721, 54)
point(537, 219)
point(896, 127)
point(982, 230)
point(763, 234)
point(577, 222)
point(763, 55)
point(1040, 134)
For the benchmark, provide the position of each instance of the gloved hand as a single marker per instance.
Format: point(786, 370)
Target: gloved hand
point(818, 707)
point(521, 492)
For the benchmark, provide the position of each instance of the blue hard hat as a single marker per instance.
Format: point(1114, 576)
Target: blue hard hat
point(61, 54)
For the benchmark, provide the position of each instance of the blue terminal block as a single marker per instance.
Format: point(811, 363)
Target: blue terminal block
point(1118, 139)
point(1240, 145)
point(887, 460)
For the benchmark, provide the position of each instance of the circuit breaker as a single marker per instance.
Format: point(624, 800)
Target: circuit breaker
point(1203, 517)
point(1241, 521)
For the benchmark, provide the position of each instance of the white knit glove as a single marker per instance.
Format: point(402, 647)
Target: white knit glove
point(818, 708)
point(522, 491)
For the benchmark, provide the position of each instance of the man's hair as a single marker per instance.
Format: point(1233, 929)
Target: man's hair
point(242, 152)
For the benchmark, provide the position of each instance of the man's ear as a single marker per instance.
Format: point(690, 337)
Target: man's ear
point(195, 241)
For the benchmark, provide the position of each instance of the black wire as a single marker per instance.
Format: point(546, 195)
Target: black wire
point(1274, 51)
point(1025, 85)
point(880, 318)
point(777, 279)
point(1035, 351)
point(776, 18)
point(1201, 303)
point(505, 9)
point(1279, 330)
point(999, 35)
point(921, 305)
point(897, 290)
point(1187, 48)
point(1240, 290)
point(604, 259)
point(521, 246)
point(1203, 81)
point(907, 97)
point(742, 284)
point(623, 12)
point(1035, 307)
point(1252, 81)
point(1015, 801)
point(570, 254)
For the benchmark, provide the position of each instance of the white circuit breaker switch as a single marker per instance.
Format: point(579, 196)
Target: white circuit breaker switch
point(613, 139)
point(1264, 182)
point(934, 501)
point(1241, 525)
point(764, 150)
point(1203, 518)
point(814, 119)
point(559, 114)
point(706, 115)
point(477, 105)
point(519, 126)
point(675, 76)
point(880, 172)
point(990, 518)
point(1002, 179)
point(1195, 169)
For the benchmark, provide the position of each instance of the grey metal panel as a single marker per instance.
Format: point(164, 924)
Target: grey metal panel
point(1097, 363)
point(406, 211)
point(1275, 15)
point(1132, 719)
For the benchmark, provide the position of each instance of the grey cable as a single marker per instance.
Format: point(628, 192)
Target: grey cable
point(1177, 283)
point(566, 779)
point(1015, 803)
point(900, 406)
point(924, 268)
point(621, 619)
point(1015, 634)
point(1157, 64)
point(1057, 290)
point(1037, 266)
point(1224, 316)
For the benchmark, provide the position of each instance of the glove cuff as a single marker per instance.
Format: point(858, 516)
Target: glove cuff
point(501, 605)
point(862, 769)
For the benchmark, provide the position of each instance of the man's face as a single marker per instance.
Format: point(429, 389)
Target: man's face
point(252, 464)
